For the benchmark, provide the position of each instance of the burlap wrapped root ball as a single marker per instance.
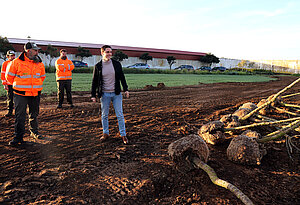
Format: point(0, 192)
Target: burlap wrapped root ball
point(183, 150)
point(212, 132)
point(245, 150)
point(230, 121)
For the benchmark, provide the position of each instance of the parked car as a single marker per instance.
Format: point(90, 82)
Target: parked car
point(139, 65)
point(205, 68)
point(79, 64)
point(188, 67)
point(220, 68)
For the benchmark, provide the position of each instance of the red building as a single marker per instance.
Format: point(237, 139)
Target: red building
point(18, 44)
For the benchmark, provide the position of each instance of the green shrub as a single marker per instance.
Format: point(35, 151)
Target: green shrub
point(262, 72)
point(253, 71)
point(52, 69)
point(83, 70)
point(232, 71)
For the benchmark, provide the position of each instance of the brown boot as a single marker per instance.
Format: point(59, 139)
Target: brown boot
point(125, 140)
point(9, 114)
point(104, 137)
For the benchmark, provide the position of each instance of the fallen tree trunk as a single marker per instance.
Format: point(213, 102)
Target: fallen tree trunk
point(280, 133)
point(270, 101)
point(285, 111)
point(261, 124)
point(289, 105)
point(291, 95)
point(222, 183)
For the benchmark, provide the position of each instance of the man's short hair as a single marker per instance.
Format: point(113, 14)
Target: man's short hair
point(31, 45)
point(10, 53)
point(104, 47)
point(63, 50)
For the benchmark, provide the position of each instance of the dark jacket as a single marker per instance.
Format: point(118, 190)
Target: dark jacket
point(97, 83)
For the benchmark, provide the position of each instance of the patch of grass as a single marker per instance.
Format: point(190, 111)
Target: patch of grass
point(82, 81)
point(171, 80)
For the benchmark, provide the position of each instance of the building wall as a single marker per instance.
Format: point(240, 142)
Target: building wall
point(158, 63)
point(159, 56)
point(290, 66)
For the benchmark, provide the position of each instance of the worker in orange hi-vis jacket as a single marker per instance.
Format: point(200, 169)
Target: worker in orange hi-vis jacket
point(7, 86)
point(64, 68)
point(27, 74)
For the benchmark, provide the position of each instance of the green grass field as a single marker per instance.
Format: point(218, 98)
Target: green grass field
point(82, 81)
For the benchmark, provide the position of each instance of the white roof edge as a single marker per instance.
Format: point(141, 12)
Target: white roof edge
point(92, 45)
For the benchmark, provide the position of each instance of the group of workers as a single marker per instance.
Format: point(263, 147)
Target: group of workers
point(23, 79)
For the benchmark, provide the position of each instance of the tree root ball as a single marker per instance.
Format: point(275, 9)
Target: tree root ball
point(249, 105)
point(241, 112)
point(185, 148)
point(265, 110)
point(212, 132)
point(275, 101)
point(229, 118)
point(160, 85)
point(245, 150)
point(149, 87)
point(233, 124)
point(251, 133)
point(230, 121)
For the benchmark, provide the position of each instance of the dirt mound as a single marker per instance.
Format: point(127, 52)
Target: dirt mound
point(72, 167)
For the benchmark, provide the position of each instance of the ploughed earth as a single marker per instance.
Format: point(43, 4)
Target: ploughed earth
point(71, 165)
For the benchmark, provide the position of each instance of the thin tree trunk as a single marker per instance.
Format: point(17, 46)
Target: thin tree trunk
point(222, 183)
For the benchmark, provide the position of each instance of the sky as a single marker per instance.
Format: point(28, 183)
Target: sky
point(237, 29)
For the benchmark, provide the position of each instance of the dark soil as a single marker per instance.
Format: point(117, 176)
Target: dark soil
point(71, 166)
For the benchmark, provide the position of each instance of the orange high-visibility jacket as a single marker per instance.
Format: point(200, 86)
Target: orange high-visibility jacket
point(26, 76)
point(3, 70)
point(64, 69)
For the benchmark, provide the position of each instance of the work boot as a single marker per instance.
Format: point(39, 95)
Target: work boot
point(71, 106)
point(36, 136)
point(16, 141)
point(59, 106)
point(125, 140)
point(9, 114)
point(104, 137)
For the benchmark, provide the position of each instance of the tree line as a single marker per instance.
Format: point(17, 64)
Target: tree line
point(52, 52)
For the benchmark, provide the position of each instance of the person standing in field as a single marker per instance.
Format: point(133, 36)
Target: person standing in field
point(7, 86)
point(107, 76)
point(26, 74)
point(64, 68)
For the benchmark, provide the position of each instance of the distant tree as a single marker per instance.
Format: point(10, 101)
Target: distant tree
point(146, 57)
point(246, 64)
point(209, 59)
point(251, 65)
point(83, 53)
point(242, 64)
point(171, 61)
point(4, 47)
point(51, 52)
point(119, 56)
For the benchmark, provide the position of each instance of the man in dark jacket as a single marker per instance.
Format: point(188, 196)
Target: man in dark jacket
point(107, 76)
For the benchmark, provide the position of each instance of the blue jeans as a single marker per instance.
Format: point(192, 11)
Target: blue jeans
point(117, 103)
